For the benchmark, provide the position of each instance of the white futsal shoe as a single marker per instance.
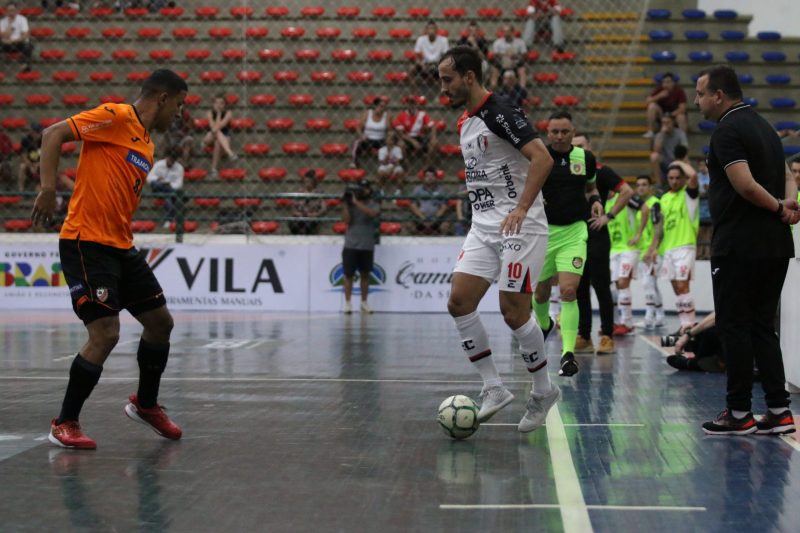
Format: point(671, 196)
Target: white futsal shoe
point(492, 400)
point(537, 408)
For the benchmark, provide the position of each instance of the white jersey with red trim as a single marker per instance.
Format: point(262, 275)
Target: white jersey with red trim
point(491, 138)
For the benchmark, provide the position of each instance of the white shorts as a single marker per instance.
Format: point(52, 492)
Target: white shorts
point(679, 263)
point(652, 269)
point(390, 169)
point(514, 261)
point(623, 265)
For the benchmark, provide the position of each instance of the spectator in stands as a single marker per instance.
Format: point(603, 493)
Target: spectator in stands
point(702, 176)
point(63, 184)
point(430, 205)
point(390, 162)
point(415, 130)
point(6, 153)
point(219, 132)
point(429, 48)
point(463, 212)
point(360, 211)
point(31, 145)
point(513, 91)
point(509, 53)
point(473, 37)
point(180, 136)
point(166, 177)
point(14, 33)
point(307, 207)
point(667, 97)
point(664, 145)
point(541, 13)
point(372, 129)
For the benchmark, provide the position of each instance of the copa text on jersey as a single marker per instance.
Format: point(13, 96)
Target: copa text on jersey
point(481, 199)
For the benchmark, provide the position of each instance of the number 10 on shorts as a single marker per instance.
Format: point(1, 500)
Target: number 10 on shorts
point(515, 270)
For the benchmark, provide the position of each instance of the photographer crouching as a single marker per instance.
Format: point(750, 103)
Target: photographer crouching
point(360, 211)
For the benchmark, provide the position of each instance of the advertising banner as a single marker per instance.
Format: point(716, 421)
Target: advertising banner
point(31, 278)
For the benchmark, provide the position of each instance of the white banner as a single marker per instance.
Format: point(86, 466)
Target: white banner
point(31, 278)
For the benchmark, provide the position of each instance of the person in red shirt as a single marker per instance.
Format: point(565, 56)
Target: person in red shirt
point(415, 130)
point(103, 269)
point(667, 97)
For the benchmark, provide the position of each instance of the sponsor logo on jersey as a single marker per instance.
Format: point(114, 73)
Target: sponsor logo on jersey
point(577, 168)
point(483, 143)
point(139, 161)
point(481, 199)
point(501, 119)
point(86, 128)
point(511, 245)
point(475, 175)
point(505, 173)
point(101, 293)
point(471, 163)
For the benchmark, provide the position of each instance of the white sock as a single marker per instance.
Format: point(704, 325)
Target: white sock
point(658, 300)
point(531, 344)
point(685, 306)
point(475, 343)
point(648, 283)
point(777, 410)
point(626, 313)
point(738, 414)
point(555, 301)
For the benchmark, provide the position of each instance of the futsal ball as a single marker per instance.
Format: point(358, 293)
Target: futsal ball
point(458, 416)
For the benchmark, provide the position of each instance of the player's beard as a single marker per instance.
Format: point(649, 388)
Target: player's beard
point(458, 99)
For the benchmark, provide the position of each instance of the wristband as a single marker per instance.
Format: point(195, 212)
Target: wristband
point(779, 211)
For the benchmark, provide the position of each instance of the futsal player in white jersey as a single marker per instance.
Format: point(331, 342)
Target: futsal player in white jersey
point(506, 166)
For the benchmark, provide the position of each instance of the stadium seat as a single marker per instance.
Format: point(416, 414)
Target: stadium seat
point(264, 226)
point(546, 77)
point(239, 12)
point(693, 14)
point(782, 103)
point(774, 56)
point(14, 123)
point(114, 33)
point(778, 79)
point(285, 76)
point(206, 202)
point(489, 13)
point(745, 79)
point(293, 32)
point(323, 76)
point(319, 172)
point(659, 14)
point(334, 149)
point(112, 99)
point(220, 33)
point(725, 14)
point(396, 76)
point(270, 54)
point(400, 33)
point(161, 55)
point(232, 174)
point(256, 33)
point(696, 35)
point(701, 56)
point(307, 54)
point(276, 11)
point(77, 33)
point(65, 76)
point(352, 124)
point(403, 203)
point(344, 54)
point(383, 12)
point(71, 173)
point(450, 149)
point(263, 99)
point(75, 99)
point(318, 124)
point(418, 12)
point(660, 35)
point(248, 76)
point(272, 173)
point(35, 100)
point(284, 202)
point(328, 33)
point(380, 55)
point(560, 57)
point(189, 226)
point(454, 12)
point(749, 100)
point(340, 228)
point(212, 76)
point(200, 123)
point(300, 99)
point(52, 54)
point(17, 225)
point(206, 12)
point(338, 100)
point(390, 228)
point(352, 174)
point(663, 57)
point(280, 124)
point(184, 33)
point(29, 76)
point(790, 150)
point(364, 33)
point(194, 174)
point(256, 148)
point(737, 56)
point(707, 125)
point(242, 123)
point(247, 202)
point(171, 12)
point(360, 76)
point(192, 99)
point(234, 54)
point(136, 12)
point(6, 99)
point(787, 125)
point(89, 54)
point(732, 35)
point(565, 101)
point(10, 200)
point(42, 32)
point(149, 33)
point(312, 11)
point(101, 12)
point(138, 75)
point(124, 55)
point(295, 148)
point(768, 36)
point(142, 226)
point(348, 11)
point(333, 202)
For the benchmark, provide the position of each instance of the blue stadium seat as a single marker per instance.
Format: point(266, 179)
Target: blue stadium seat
point(696, 35)
point(737, 56)
point(791, 149)
point(787, 125)
point(725, 14)
point(706, 149)
point(732, 35)
point(778, 79)
point(782, 103)
point(660, 35)
point(659, 14)
point(707, 125)
point(745, 79)
point(773, 56)
point(768, 36)
point(701, 56)
point(658, 77)
point(693, 14)
point(666, 55)
point(749, 100)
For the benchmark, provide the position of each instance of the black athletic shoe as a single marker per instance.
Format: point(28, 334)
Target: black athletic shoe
point(547, 331)
point(726, 424)
point(568, 365)
point(680, 362)
point(772, 424)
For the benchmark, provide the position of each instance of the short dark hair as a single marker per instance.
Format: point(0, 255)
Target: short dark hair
point(584, 135)
point(723, 78)
point(310, 174)
point(669, 75)
point(643, 177)
point(163, 81)
point(560, 114)
point(680, 151)
point(465, 58)
point(676, 167)
point(431, 169)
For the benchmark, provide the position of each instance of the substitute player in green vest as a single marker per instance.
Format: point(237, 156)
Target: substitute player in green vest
point(570, 200)
point(680, 206)
point(626, 230)
point(650, 262)
point(794, 166)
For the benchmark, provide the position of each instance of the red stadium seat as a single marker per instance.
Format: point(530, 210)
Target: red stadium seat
point(200, 123)
point(112, 99)
point(284, 202)
point(277, 11)
point(402, 202)
point(242, 123)
point(31, 12)
point(198, 54)
point(161, 55)
point(318, 124)
point(352, 124)
point(418, 12)
point(6, 99)
point(323, 76)
point(256, 148)
point(89, 55)
point(300, 99)
point(440, 125)
point(75, 99)
point(149, 33)
point(190, 226)
point(344, 54)
point(220, 33)
point(248, 76)
point(239, 12)
point(270, 54)
point(364, 33)
point(124, 55)
point(352, 174)
point(293, 32)
point(171, 12)
point(10, 200)
point(533, 55)
point(232, 174)
point(319, 172)
point(34, 100)
point(333, 202)
point(294, 148)
point(396, 76)
point(462, 174)
point(68, 148)
point(247, 202)
point(338, 100)
point(454, 12)
point(272, 173)
point(546, 77)
point(360, 76)
point(52, 54)
point(339, 228)
point(535, 101)
point(263, 99)
point(206, 202)
point(140, 75)
point(400, 33)
point(212, 76)
point(450, 149)
point(192, 99)
point(234, 54)
point(348, 11)
point(43, 32)
point(383, 12)
point(65, 76)
point(380, 55)
point(560, 57)
point(264, 226)
point(285, 76)
point(206, 12)
point(256, 33)
point(17, 225)
point(114, 33)
point(411, 55)
point(489, 12)
point(312, 11)
point(280, 124)
point(184, 33)
point(71, 173)
point(390, 228)
point(77, 33)
point(335, 149)
point(136, 12)
point(565, 100)
point(194, 174)
point(307, 54)
point(328, 33)
point(14, 123)
point(541, 125)
point(142, 226)
point(101, 12)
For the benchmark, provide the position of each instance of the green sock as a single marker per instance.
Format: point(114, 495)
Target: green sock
point(569, 325)
point(542, 312)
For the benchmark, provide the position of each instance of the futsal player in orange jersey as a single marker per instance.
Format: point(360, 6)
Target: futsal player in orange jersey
point(103, 269)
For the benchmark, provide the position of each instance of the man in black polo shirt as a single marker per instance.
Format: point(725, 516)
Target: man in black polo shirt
point(752, 200)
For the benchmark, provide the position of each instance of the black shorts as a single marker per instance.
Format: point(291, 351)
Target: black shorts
point(353, 259)
point(104, 280)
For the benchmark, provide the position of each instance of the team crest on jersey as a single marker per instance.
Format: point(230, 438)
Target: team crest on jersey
point(576, 167)
point(483, 143)
point(577, 262)
point(101, 293)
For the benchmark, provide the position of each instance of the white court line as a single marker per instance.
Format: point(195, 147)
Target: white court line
point(574, 513)
point(654, 345)
point(791, 442)
point(613, 424)
point(264, 379)
point(557, 506)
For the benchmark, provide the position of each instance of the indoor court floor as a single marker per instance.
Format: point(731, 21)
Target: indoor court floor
point(326, 422)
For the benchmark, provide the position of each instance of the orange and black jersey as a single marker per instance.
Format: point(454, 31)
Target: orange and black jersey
point(116, 156)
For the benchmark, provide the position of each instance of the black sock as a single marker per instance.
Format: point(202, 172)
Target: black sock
point(152, 362)
point(83, 376)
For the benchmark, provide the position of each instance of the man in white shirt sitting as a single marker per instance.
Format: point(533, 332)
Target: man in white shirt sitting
point(509, 53)
point(429, 49)
point(166, 176)
point(14, 34)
